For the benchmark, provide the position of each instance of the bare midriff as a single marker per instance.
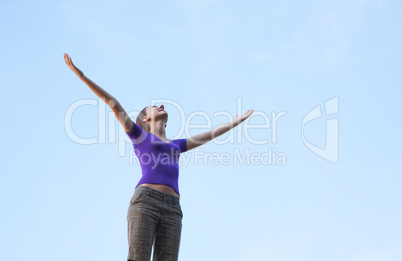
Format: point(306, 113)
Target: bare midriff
point(161, 188)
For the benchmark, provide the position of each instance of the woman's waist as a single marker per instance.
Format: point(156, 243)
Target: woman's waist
point(164, 189)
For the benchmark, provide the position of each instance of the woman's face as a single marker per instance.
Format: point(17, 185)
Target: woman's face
point(157, 112)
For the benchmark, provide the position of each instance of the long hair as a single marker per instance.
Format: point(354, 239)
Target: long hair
point(140, 122)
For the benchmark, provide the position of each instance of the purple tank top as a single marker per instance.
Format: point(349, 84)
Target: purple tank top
point(159, 160)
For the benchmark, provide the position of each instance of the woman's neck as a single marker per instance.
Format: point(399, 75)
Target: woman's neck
point(158, 129)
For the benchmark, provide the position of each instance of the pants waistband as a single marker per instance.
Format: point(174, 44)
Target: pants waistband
point(159, 195)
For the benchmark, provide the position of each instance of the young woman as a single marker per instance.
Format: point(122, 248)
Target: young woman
point(154, 214)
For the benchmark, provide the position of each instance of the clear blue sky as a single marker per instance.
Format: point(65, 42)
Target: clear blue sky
point(65, 200)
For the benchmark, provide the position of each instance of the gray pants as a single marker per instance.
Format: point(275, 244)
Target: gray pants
point(154, 218)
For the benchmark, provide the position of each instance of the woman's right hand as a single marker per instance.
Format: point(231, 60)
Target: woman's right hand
point(70, 65)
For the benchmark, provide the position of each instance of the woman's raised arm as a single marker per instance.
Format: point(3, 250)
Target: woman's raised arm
point(118, 110)
point(203, 138)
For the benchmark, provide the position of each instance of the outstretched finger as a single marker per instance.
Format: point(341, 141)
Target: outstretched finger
point(248, 113)
point(66, 58)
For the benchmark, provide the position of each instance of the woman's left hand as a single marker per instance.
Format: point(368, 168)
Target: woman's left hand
point(237, 120)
